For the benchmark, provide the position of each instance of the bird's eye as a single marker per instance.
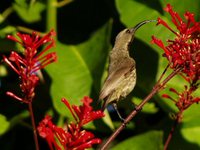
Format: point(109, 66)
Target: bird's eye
point(128, 31)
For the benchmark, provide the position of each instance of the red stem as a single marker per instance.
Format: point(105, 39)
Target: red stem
point(170, 135)
point(34, 126)
point(155, 89)
point(178, 118)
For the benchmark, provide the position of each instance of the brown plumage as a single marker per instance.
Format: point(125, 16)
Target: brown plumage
point(121, 77)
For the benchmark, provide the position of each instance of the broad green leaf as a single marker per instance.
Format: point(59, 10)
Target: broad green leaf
point(4, 124)
point(72, 76)
point(148, 141)
point(190, 116)
point(191, 134)
point(29, 13)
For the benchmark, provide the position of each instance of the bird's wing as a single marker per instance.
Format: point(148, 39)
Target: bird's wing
point(112, 81)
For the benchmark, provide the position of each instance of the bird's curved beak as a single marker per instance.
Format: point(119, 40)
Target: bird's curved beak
point(134, 29)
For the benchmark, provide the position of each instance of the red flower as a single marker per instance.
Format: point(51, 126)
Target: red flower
point(185, 99)
point(184, 51)
point(46, 130)
point(72, 137)
point(27, 65)
point(85, 112)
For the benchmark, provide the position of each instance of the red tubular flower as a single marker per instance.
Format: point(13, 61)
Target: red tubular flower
point(27, 65)
point(73, 137)
point(46, 131)
point(184, 51)
point(85, 112)
point(185, 98)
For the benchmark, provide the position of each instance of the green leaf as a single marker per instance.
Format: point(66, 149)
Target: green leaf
point(191, 134)
point(190, 116)
point(72, 76)
point(150, 141)
point(29, 13)
point(131, 12)
point(4, 124)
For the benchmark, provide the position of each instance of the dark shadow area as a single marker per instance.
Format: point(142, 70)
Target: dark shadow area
point(79, 19)
point(146, 65)
point(21, 138)
point(9, 106)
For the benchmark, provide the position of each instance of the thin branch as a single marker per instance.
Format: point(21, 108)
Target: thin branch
point(32, 2)
point(6, 13)
point(155, 89)
point(162, 75)
point(34, 126)
point(28, 30)
point(63, 3)
point(177, 121)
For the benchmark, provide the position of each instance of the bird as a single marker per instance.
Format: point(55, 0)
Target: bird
point(121, 78)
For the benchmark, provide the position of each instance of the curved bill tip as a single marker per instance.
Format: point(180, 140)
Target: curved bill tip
point(137, 26)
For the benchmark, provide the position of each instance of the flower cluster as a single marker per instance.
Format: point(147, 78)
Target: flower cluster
point(29, 64)
point(73, 137)
point(184, 99)
point(184, 51)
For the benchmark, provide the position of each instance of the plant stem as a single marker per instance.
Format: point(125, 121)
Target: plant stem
point(6, 13)
point(33, 124)
point(63, 3)
point(178, 118)
point(155, 89)
point(51, 15)
point(28, 30)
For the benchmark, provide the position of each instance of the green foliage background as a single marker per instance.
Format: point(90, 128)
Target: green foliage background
point(86, 30)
